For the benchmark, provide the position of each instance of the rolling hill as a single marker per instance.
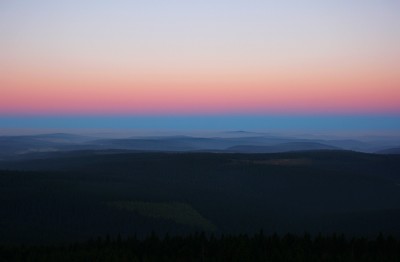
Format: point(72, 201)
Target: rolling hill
point(77, 195)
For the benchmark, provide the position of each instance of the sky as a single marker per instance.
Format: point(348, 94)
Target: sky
point(176, 61)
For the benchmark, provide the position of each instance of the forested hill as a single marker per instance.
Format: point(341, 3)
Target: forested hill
point(78, 195)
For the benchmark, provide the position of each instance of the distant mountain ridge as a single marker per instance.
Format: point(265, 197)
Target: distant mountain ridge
point(284, 147)
point(240, 141)
point(390, 151)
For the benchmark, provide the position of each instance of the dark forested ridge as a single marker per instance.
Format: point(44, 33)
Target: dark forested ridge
point(52, 200)
point(74, 196)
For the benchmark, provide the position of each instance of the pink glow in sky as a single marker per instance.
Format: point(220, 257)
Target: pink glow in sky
point(202, 57)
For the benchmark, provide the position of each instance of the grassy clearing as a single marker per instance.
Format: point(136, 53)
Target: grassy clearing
point(180, 213)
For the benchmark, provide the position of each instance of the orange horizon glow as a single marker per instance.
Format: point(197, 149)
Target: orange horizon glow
point(260, 58)
point(169, 94)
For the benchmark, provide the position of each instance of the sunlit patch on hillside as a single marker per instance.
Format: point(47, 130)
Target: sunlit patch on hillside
point(277, 162)
point(180, 213)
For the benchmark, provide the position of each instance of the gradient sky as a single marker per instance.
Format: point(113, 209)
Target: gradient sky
point(217, 57)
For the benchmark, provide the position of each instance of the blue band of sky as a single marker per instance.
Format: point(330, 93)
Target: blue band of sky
point(326, 123)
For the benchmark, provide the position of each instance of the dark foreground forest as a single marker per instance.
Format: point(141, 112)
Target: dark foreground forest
point(199, 247)
point(52, 200)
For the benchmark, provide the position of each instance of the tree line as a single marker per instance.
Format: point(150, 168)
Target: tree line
point(202, 247)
